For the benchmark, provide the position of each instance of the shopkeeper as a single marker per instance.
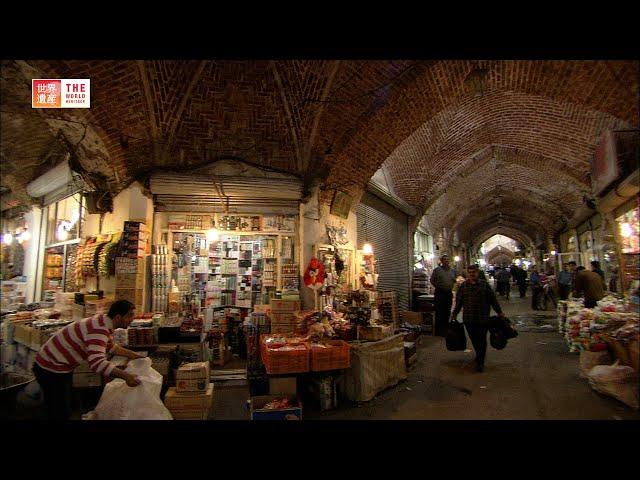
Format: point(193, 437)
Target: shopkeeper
point(84, 340)
point(443, 279)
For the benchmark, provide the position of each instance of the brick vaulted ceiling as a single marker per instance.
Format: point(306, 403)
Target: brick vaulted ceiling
point(338, 121)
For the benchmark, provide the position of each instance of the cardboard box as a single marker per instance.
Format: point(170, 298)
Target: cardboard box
point(194, 371)
point(414, 318)
point(278, 318)
point(257, 412)
point(283, 306)
point(283, 385)
point(375, 332)
point(189, 406)
point(195, 385)
point(22, 334)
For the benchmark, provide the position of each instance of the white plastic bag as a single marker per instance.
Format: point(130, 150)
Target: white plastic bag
point(617, 381)
point(121, 402)
point(588, 360)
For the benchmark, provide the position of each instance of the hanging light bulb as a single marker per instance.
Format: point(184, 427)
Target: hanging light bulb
point(7, 238)
point(456, 258)
point(552, 252)
point(62, 233)
point(625, 230)
point(213, 235)
point(367, 249)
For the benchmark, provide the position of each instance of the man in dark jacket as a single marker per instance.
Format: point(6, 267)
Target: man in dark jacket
point(595, 267)
point(443, 278)
point(475, 298)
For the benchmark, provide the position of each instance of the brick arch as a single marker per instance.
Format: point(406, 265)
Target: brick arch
point(514, 233)
point(442, 149)
point(475, 225)
point(604, 87)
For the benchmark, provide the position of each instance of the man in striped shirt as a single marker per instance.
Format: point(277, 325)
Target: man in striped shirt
point(84, 340)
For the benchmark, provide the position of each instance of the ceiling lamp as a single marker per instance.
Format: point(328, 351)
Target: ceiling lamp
point(213, 235)
point(7, 238)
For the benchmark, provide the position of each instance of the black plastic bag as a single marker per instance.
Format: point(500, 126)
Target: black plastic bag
point(500, 330)
point(456, 338)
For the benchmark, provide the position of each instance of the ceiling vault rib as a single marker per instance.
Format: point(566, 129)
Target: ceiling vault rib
point(185, 99)
point(289, 116)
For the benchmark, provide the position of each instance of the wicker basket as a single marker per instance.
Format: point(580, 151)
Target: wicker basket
point(336, 356)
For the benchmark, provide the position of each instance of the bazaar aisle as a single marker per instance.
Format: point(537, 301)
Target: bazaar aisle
point(533, 378)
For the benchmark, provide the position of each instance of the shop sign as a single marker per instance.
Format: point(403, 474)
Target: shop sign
point(604, 164)
point(60, 93)
point(341, 204)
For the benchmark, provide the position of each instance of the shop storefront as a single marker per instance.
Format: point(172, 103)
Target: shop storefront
point(628, 229)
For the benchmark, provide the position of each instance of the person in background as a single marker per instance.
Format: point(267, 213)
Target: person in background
point(82, 341)
point(443, 278)
point(589, 284)
point(475, 298)
point(564, 282)
point(521, 278)
point(504, 282)
point(595, 267)
point(481, 274)
point(536, 289)
point(573, 266)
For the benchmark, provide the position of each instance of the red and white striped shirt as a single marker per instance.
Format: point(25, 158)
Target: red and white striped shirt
point(83, 340)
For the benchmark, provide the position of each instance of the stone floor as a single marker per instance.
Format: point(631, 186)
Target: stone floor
point(533, 378)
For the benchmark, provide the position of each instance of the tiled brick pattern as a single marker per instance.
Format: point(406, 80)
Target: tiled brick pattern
point(341, 120)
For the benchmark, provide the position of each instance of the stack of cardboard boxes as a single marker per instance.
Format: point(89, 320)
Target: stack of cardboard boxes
point(192, 397)
point(283, 319)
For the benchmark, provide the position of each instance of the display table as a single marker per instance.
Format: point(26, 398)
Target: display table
point(375, 366)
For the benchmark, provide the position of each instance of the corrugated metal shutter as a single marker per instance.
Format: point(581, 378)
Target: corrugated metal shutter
point(176, 192)
point(387, 231)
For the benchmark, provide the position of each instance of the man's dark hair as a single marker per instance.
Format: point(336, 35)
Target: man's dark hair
point(595, 264)
point(572, 263)
point(580, 268)
point(473, 267)
point(120, 307)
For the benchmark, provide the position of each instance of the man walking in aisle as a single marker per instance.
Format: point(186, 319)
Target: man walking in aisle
point(504, 282)
point(83, 340)
point(521, 278)
point(564, 282)
point(591, 285)
point(595, 267)
point(443, 279)
point(536, 289)
point(475, 298)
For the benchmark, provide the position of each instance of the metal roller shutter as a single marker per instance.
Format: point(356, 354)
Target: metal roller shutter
point(387, 231)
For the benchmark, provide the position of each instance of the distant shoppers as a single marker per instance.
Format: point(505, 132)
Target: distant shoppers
point(521, 278)
point(475, 298)
point(589, 284)
point(564, 282)
point(443, 279)
point(595, 267)
point(536, 289)
point(504, 282)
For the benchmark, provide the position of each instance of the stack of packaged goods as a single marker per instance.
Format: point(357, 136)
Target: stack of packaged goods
point(134, 240)
point(64, 304)
point(192, 397)
point(283, 318)
point(160, 278)
point(141, 331)
point(130, 281)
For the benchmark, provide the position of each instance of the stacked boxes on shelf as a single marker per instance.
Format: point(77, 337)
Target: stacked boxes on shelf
point(160, 278)
point(192, 397)
point(283, 318)
point(130, 281)
point(134, 243)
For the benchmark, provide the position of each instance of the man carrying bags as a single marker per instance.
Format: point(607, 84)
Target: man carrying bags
point(475, 298)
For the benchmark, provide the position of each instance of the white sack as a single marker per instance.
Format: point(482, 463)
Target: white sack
point(121, 402)
point(617, 381)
